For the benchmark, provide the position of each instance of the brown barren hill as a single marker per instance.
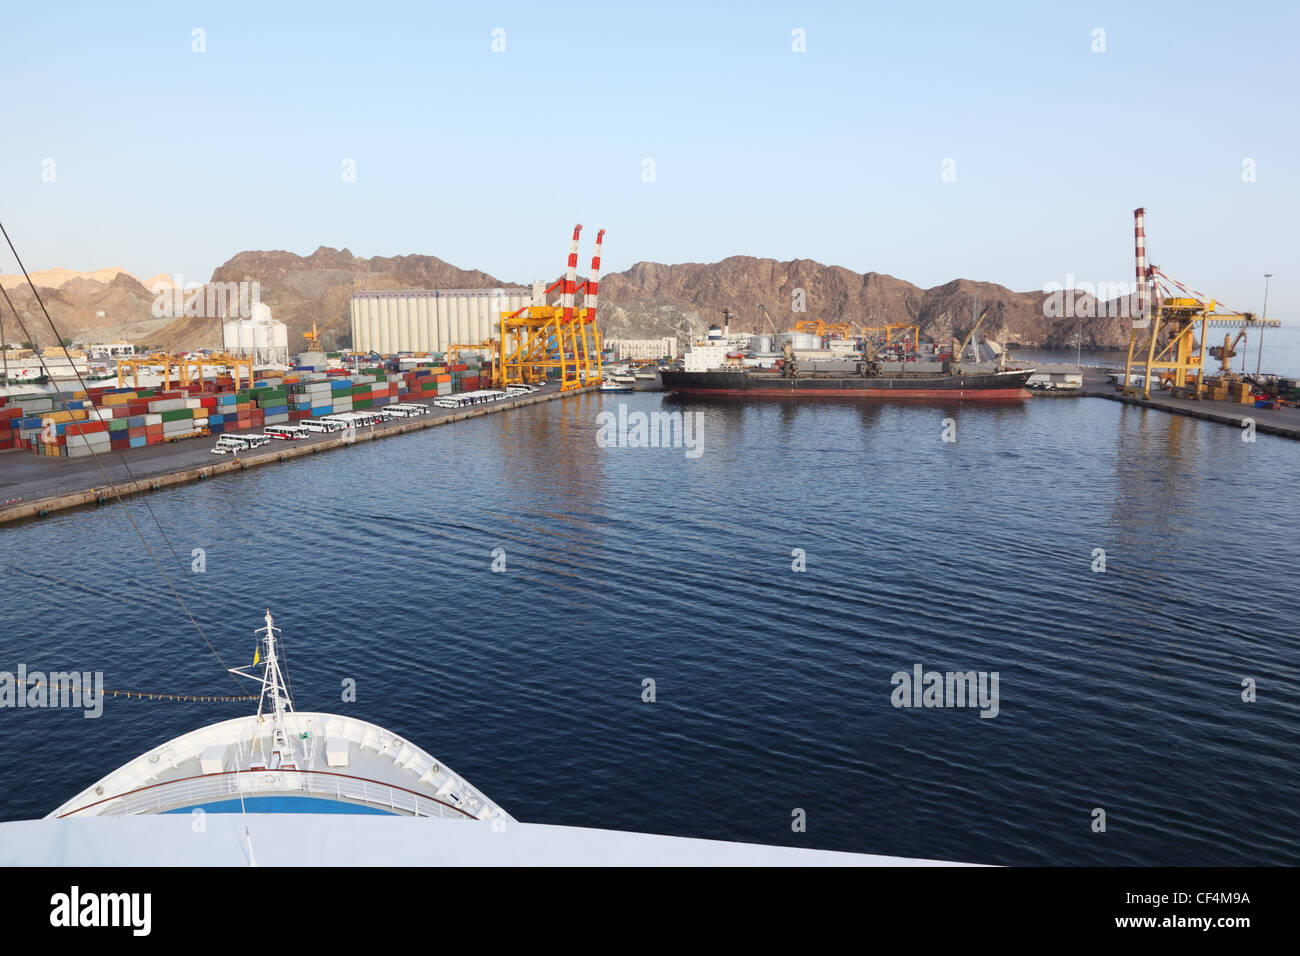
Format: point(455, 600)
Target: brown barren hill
point(647, 300)
point(653, 300)
point(302, 290)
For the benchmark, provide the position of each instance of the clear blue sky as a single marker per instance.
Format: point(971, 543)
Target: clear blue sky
point(171, 161)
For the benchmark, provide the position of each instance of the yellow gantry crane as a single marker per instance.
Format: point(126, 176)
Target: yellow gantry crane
point(821, 328)
point(146, 362)
point(539, 339)
point(908, 330)
point(192, 368)
point(1186, 316)
point(189, 371)
point(1179, 365)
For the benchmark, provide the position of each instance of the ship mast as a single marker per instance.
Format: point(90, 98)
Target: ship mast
point(273, 687)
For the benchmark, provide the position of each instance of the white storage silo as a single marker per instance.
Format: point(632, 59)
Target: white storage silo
point(429, 320)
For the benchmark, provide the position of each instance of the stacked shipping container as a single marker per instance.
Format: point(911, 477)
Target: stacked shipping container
point(112, 419)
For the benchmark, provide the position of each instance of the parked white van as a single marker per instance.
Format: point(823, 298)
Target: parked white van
point(233, 444)
point(228, 445)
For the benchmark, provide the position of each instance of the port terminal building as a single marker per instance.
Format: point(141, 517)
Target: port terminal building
point(642, 350)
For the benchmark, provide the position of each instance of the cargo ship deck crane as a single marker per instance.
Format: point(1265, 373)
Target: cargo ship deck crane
point(954, 363)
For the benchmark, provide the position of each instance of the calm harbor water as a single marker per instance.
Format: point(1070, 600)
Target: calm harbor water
point(1118, 690)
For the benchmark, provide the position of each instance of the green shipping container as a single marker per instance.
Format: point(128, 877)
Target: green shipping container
point(117, 425)
point(177, 414)
point(362, 403)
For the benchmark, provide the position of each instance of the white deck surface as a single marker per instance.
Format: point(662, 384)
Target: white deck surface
point(342, 757)
point(347, 840)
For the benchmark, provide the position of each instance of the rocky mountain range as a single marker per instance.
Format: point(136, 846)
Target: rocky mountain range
point(647, 300)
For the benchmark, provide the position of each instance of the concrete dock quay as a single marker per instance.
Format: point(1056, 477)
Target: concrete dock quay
point(1283, 422)
point(36, 485)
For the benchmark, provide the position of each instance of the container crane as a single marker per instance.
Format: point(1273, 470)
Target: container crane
point(539, 338)
point(1186, 315)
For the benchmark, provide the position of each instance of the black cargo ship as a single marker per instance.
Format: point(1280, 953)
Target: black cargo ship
point(961, 386)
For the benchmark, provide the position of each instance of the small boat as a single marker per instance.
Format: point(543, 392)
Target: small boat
point(610, 385)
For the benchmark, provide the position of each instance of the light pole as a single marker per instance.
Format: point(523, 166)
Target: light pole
point(1263, 315)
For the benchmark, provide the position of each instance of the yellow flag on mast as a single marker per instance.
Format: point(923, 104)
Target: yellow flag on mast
point(257, 655)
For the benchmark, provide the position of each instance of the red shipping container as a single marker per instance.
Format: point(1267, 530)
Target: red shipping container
point(85, 428)
point(136, 432)
point(208, 401)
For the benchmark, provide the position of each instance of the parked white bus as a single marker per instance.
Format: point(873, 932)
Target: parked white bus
point(465, 399)
point(352, 419)
point(407, 409)
point(285, 432)
point(322, 424)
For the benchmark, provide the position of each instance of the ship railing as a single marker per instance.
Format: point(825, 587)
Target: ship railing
point(178, 795)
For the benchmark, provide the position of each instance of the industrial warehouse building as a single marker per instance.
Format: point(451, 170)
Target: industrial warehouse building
point(431, 320)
